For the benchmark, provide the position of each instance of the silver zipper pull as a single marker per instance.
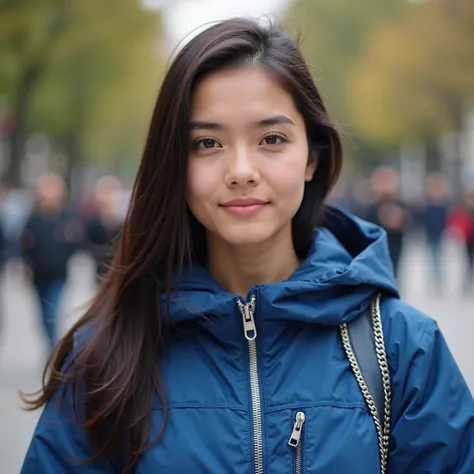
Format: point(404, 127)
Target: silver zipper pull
point(249, 323)
point(247, 310)
point(297, 430)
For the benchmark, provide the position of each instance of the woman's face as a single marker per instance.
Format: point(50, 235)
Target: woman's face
point(248, 160)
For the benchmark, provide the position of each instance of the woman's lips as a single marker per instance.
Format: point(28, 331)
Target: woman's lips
point(245, 209)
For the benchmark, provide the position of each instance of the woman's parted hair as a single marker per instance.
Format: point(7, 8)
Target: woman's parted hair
point(119, 362)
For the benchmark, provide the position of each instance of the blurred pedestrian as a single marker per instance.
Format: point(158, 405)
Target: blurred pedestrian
point(3, 250)
point(362, 198)
point(433, 218)
point(461, 223)
point(104, 226)
point(469, 203)
point(50, 237)
point(15, 207)
point(389, 211)
point(219, 342)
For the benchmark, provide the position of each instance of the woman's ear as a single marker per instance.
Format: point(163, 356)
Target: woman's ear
point(312, 165)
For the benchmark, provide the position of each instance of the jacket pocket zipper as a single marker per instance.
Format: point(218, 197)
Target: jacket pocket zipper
point(296, 442)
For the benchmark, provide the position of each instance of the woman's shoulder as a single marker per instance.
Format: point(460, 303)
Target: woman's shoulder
point(397, 315)
point(409, 333)
point(403, 323)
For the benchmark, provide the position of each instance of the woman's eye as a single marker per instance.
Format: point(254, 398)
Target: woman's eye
point(273, 140)
point(206, 143)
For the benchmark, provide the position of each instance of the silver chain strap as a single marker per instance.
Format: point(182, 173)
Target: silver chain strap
point(383, 432)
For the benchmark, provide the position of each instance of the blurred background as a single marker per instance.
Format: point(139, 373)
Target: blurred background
point(78, 80)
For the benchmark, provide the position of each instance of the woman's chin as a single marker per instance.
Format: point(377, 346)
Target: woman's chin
point(244, 239)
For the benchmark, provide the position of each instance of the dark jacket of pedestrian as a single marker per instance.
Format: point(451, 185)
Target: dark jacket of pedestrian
point(48, 241)
point(434, 220)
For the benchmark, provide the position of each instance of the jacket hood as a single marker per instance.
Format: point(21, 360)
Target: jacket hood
point(348, 262)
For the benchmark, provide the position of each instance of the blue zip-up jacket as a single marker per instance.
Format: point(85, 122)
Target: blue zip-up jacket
point(233, 403)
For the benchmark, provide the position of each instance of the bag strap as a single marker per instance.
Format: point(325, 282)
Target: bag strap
point(364, 345)
point(361, 335)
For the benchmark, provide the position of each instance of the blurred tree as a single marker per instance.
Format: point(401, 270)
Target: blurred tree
point(416, 74)
point(95, 96)
point(29, 30)
point(333, 35)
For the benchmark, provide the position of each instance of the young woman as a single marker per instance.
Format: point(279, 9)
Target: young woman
point(214, 345)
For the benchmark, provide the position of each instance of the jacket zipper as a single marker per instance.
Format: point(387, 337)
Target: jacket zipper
point(250, 330)
point(295, 440)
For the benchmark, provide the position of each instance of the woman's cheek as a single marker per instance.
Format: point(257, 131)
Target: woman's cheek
point(202, 181)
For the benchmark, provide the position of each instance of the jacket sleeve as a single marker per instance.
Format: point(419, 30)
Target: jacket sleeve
point(59, 443)
point(433, 422)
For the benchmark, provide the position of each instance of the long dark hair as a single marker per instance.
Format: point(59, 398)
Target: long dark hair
point(123, 331)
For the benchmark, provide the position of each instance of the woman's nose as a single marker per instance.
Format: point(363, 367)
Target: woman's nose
point(242, 169)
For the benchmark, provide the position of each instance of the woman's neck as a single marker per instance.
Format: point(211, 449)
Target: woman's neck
point(240, 268)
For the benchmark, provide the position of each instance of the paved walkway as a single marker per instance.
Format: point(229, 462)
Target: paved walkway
point(22, 352)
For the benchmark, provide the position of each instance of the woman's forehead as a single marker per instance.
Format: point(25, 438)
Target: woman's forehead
point(246, 94)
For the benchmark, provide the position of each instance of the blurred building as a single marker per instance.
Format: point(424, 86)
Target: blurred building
point(183, 19)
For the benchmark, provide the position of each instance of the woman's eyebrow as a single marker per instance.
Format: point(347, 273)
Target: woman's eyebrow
point(275, 120)
point(266, 122)
point(204, 125)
